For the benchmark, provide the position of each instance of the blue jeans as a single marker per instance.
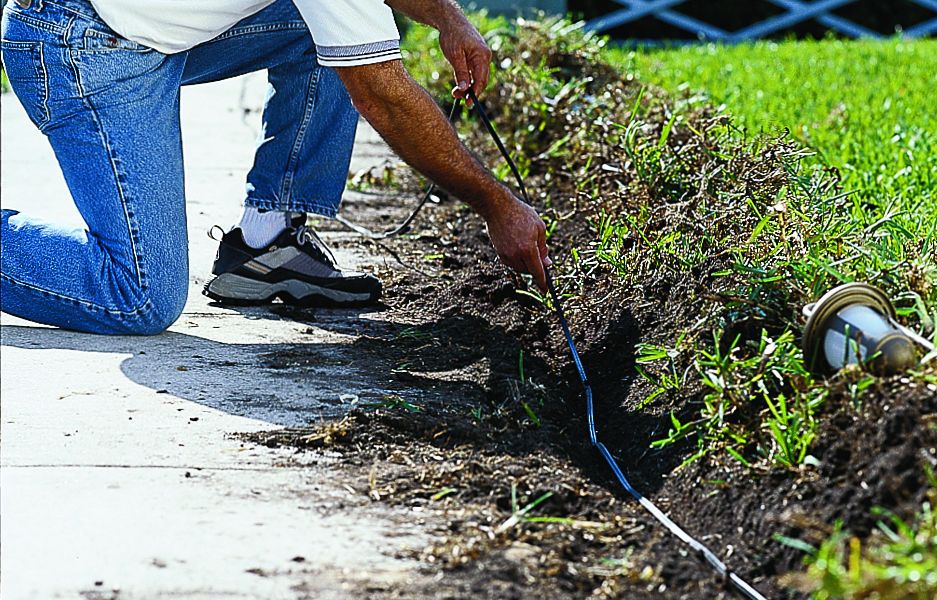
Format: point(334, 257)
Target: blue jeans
point(110, 108)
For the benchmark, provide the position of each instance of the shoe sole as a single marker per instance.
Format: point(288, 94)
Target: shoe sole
point(235, 289)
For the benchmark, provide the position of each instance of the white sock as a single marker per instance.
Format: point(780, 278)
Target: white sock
point(259, 228)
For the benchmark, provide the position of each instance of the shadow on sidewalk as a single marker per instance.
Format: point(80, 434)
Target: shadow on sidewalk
point(449, 367)
point(458, 359)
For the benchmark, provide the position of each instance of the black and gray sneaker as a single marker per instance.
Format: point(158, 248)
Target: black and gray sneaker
point(297, 267)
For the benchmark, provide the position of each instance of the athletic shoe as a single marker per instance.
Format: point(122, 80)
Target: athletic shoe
point(297, 267)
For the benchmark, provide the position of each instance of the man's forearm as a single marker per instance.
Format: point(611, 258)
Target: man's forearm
point(411, 123)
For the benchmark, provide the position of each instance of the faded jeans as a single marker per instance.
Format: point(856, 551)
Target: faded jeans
point(110, 108)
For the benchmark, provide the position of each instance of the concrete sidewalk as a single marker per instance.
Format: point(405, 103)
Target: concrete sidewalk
point(118, 477)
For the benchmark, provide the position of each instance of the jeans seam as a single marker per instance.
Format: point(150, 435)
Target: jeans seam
point(287, 187)
point(137, 311)
point(77, 13)
point(34, 22)
point(67, 33)
point(86, 100)
point(323, 208)
point(41, 72)
point(47, 116)
point(252, 29)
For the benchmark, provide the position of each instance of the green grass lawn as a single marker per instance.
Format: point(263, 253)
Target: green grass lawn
point(866, 107)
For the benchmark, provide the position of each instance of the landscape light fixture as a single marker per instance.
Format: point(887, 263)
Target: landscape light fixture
point(856, 324)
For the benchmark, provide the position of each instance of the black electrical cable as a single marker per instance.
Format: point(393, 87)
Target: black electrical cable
point(702, 550)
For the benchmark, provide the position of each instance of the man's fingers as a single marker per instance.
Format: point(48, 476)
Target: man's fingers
point(481, 68)
point(534, 266)
point(463, 76)
point(528, 262)
point(542, 247)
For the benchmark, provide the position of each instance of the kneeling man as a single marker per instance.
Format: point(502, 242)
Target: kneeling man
point(101, 79)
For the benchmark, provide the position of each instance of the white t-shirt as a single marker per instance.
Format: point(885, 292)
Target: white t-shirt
point(346, 32)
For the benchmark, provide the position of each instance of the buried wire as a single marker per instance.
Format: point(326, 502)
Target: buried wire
point(708, 555)
point(720, 567)
point(701, 549)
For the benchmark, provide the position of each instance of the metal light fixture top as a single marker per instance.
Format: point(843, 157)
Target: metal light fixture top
point(893, 352)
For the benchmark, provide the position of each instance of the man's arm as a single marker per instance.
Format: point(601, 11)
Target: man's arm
point(411, 123)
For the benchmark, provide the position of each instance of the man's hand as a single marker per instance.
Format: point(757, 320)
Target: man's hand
point(461, 44)
point(469, 55)
point(518, 234)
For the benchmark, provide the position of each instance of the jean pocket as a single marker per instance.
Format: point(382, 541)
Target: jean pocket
point(26, 70)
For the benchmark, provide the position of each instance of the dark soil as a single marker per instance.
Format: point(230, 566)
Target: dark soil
point(452, 438)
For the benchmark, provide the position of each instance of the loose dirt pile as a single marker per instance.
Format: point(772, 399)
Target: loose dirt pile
point(485, 425)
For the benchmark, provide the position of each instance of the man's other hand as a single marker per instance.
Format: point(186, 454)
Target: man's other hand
point(518, 234)
point(469, 55)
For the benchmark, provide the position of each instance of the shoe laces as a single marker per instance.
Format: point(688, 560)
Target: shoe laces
point(305, 234)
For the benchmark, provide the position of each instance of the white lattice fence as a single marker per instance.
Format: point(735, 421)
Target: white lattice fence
point(795, 12)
